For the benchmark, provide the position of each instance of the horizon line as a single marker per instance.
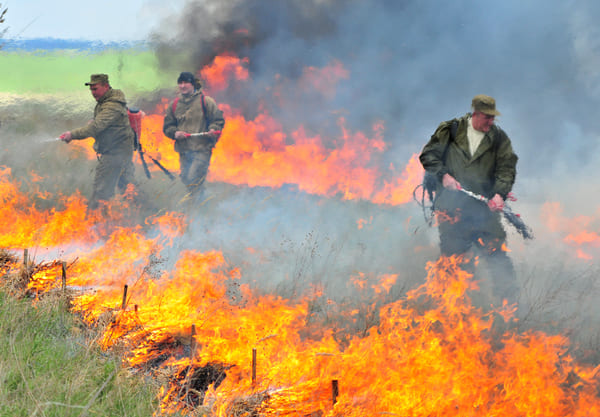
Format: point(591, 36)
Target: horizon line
point(50, 43)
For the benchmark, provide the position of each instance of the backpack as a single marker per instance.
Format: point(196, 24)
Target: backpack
point(135, 121)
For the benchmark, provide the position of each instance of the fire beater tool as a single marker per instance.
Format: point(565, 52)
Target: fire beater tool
point(509, 215)
point(195, 135)
point(165, 170)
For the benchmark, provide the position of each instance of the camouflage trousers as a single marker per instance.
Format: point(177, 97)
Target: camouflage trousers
point(194, 169)
point(113, 170)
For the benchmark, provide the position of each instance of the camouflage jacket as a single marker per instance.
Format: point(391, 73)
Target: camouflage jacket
point(491, 170)
point(110, 127)
point(188, 116)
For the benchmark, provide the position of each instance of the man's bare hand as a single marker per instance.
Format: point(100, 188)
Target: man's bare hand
point(449, 182)
point(496, 203)
point(66, 137)
point(180, 134)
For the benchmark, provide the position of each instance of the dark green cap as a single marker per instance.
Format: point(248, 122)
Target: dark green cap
point(98, 79)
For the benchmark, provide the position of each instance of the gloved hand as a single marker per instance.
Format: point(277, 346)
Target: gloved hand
point(511, 197)
point(496, 203)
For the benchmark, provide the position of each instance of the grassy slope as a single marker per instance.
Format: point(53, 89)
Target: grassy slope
point(51, 366)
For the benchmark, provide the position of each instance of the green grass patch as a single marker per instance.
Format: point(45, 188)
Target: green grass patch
point(51, 365)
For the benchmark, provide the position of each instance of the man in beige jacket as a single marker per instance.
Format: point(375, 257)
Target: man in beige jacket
point(194, 122)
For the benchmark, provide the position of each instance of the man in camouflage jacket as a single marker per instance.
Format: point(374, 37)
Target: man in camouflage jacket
point(478, 157)
point(113, 140)
point(192, 113)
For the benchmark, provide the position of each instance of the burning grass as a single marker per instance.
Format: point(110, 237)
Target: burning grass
point(431, 353)
point(193, 324)
point(220, 346)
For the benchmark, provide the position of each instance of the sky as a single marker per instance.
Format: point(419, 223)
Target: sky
point(108, 20)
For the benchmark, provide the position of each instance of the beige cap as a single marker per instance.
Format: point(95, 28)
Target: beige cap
point(485, 104)
point(98, 79)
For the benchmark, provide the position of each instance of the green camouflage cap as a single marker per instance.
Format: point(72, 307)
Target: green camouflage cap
point(98, 79)
point(485, 104)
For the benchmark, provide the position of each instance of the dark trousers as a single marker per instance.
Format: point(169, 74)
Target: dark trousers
point(113, 170)
point(194, 169)
point(482, 233)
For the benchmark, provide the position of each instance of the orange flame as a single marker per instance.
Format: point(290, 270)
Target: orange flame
point(574, 230)
point(23, 225)
point(260, 153)
point(223, 69)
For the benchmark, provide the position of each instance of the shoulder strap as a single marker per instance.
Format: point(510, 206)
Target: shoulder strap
point(453, 129)
point(204, 111)
point(175, 104)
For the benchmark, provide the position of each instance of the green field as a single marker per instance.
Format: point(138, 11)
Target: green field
point(63, 71)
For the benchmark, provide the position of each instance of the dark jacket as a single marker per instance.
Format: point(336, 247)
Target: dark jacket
point(492, 170)
point(189, 117)
point(110, 127)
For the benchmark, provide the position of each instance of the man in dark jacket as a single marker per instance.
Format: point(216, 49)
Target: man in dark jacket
point(195, 122)
point(478, 156)
point(113, 137)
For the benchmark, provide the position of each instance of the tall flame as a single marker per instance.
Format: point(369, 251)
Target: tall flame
point(223, 69)
point(259, 153)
